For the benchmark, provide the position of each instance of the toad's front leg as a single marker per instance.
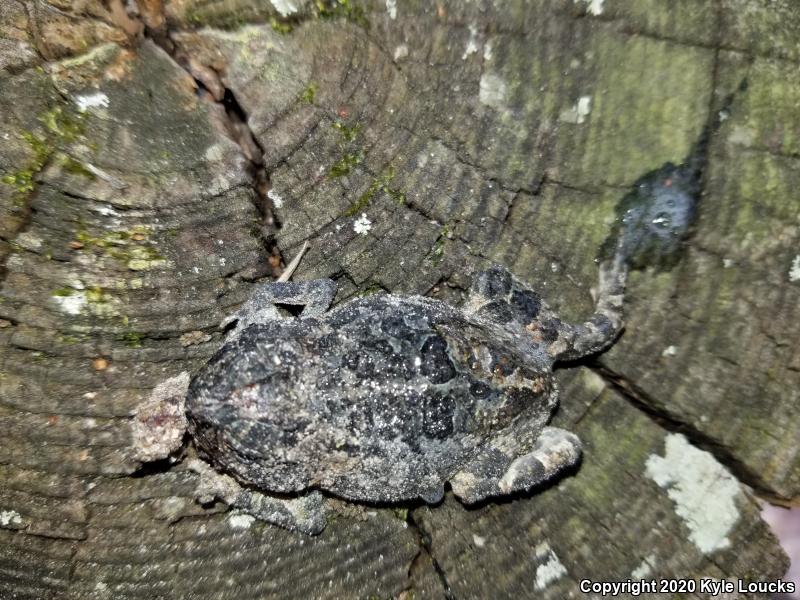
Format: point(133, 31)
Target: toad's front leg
point(304, 513)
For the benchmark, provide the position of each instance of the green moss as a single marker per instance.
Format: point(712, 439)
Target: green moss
point(76, 167)
point(344, 9)
point(359, 205)
point(310, 93)
point(347, 132)
point(40, 147)
point(64, 125)
point(97, 295)
point(141, 258)
point(372, 288)
point(280, 27)
point(21, 181)
point(224, 16)
point(379, 184)
point(61, 127)
point(346, 164)
point(438, 247)
point(131, 339)
point(64, 292)
point(129, 247)
point(397, 195)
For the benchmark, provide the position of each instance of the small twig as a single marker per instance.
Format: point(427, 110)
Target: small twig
point(115, 183)
point(290, 268)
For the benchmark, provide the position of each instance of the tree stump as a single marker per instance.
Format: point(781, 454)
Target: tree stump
point(156, 162)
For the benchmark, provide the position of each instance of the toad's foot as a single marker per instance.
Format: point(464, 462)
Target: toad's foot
point(160, 422)
point(305, 513)
point(495, 473)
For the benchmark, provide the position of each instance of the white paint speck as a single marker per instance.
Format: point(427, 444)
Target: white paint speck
point(741, 135)
point(492, 90)
point(87, 101)
point(595, 6)
point(284, 7)
point(479, 541)
point(794, 271)
point(551, 568)
point(241, 521)
point(222, 262)
point(10, 517)
point(105, 210)
point(727, 263)
point(644, 569)
point(391, 8)
point(72, 304)
point(670, 351)
point(554, 267)
point(472, 42)
point(214, 153)
point(703, 491)
point(28, 240)
point(400, 52)
point(276, 198)
point(362, 225)
point(578, 113)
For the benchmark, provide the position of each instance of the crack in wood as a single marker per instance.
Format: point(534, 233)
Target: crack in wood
point(672, 422)
point(425, 544)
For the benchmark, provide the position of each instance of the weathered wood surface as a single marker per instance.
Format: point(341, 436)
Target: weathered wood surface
point(466, 133)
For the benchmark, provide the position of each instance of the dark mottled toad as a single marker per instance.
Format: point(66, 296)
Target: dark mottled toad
point(385, 398)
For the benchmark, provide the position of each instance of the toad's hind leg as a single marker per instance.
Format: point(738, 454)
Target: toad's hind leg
point(504, 299)
point(496, 473)
point(603, 327)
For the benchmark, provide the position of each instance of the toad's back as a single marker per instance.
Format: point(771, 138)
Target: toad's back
point(381, 399)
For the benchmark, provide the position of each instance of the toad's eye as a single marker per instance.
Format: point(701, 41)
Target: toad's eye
point(480, 390)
